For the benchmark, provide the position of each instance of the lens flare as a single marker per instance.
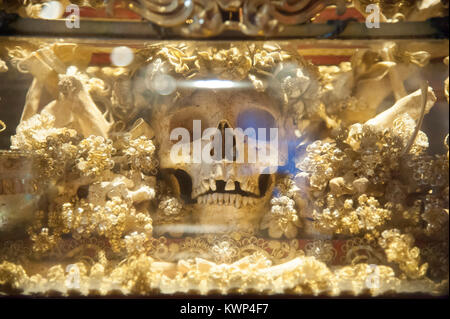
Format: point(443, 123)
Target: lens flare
point(122, 56)
point(51, 10)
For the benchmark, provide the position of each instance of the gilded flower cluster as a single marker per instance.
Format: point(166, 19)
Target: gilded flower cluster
point(56, 148)
point(360, 181)
point(94, 156)
point(140, 153)
point(398, 248)
point(103, 197)
point(266, 67)
point(282, 218)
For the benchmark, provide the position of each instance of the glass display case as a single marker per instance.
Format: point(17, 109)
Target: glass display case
point(154, 147)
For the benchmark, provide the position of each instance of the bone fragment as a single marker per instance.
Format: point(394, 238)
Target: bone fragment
point(410, 104)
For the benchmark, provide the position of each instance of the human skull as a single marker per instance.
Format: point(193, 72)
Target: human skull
point(227, 194)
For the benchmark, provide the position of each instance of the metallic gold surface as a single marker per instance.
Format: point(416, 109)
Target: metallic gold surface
point(202, 18)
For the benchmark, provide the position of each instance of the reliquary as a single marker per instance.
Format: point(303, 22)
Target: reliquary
point(224, 147)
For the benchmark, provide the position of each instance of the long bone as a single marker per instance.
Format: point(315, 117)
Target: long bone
point(75, 107)
point(410, 104)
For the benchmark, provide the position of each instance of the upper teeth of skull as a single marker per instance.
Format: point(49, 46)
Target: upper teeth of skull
point(248, 186)
point(224, 196)
point(226, 199)
point(212, 184)
point(230, 185)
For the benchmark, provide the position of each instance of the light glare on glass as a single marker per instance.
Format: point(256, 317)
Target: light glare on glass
point(122, 56)
point(51, 10)
point(164, 84)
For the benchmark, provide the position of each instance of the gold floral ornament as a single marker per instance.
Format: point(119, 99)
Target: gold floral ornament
point(56, 147)
point(266, 67)
point(231, 64)
point(322, 250)
point(345, 218)
point(116, 220)
point(398, 249)
point(142, 275)
point(225, 251)
point(351, 182)
point(140, 153)
point(221, 248)
point(436, 214)
point(43, 241)
point(105, 205)
point(94, 156)
point(12, 275)
point(282, 218)
point(169, 216)
point(362, 250)
point(286, 75)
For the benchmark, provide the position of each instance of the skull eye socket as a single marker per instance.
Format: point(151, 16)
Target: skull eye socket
point(185, 119)
point(258, 121)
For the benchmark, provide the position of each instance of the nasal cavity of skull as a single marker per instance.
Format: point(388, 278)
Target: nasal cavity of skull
point(228, 151)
